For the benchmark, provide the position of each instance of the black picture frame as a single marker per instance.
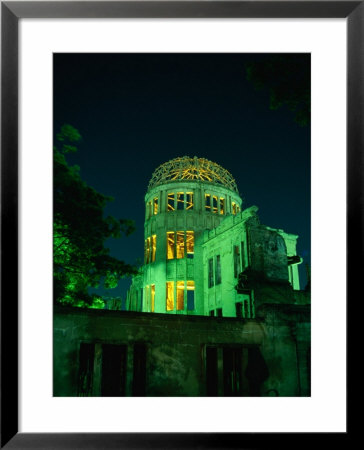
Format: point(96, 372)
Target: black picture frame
point(11, 12)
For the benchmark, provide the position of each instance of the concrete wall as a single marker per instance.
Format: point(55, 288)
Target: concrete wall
point(176, 349)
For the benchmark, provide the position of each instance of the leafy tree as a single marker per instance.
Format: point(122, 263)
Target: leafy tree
point(81, 260)
point(288, 80)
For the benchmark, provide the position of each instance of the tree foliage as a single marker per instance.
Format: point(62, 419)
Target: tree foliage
point(81, 261)
point(288, 80)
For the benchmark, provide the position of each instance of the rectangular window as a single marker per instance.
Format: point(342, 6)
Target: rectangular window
point(211, 272)
point(148, 251)
point(141, 299)
point(232, 367)
point(139, 369)
point(219, 312)
point(239, 309)
point(217, 270)
point(169, 296)
point(145, 251)
point(233, 207)
point(147, 296)
point(190, 295)
point(152, 297)
point(208, 202)
point(170, 244)
point(242, 256)
point(246, 308)
point(189, 200)
point(214, 204)
point(222, 205)
point(236, 261)
point(237, 208)
point(211, 372)
point(212, 313)
point(155, 205)
point(180, 246)
point(86, 369)
point(180, 200)
point(170, 202)
point(113, 370)
point(154, 247)
point(190, 243)
point(180, 295)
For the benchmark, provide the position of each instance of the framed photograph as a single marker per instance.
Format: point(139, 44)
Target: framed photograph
point(224, 145)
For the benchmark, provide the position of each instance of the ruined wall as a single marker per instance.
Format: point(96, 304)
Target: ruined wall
point(175, 351)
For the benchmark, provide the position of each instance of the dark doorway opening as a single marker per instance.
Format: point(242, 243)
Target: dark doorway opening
point(113, 370)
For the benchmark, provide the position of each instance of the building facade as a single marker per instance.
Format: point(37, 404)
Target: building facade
point(199, 242)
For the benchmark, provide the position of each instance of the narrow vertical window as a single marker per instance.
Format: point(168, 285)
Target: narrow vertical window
point(233, 207)
point(222, 205)
point(152, 297)
point(180, 295)
point(239, 309)
point(214, 204)
point(208, 202)
point(154, 247)
point(148, 251)
point(170, 202)
point(169, 296)
point(246, 308)
point(155, 205)
point(219, 312)
point(145, 251)
point(211, 272)
point(189, 200)
point(180, 201)
point(147, 296)
point(170, 244)
point(236, 261)
point(190, 243)
point(242, 256)
point(180, 245)
point(190, 295)
point(86, 369)
point(218, 270)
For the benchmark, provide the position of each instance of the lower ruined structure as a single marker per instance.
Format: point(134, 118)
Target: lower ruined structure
point(120, 353)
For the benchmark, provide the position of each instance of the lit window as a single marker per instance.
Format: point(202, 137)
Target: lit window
point(180, 200)
point(189, 200)
point(154, 247)
point(170, 202)
point(233, 207)
point(222, 205)
point(148, 251)
point(155, 205)
point(180, 295)
point(190, 241)
point(214, 204)
point(211, 272)
point(218, 270)
point(169, 296)
point(180, 245)
point(190, 295)
point(152, 297)
point(170, 244)
point(208, 202)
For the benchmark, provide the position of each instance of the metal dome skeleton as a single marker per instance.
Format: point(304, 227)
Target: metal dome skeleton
point(190, 169)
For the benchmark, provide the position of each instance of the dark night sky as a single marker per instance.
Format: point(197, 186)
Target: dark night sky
point(136, 111)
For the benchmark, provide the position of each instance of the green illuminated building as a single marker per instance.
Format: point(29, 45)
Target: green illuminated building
point(204, 254)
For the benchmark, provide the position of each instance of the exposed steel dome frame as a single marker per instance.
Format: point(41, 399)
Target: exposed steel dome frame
point(192, 169)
